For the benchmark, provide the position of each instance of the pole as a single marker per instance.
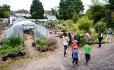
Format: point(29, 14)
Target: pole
point(23, 35)
point(34, 34)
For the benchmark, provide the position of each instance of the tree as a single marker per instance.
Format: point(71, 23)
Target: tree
point(36, 10)
point(95, 2)
point(111, 4)
point(97, 12)
point(68, 7)
point(54, 11)
point(4, 11)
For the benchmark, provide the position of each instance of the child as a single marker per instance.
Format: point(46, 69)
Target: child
point(75, 56)
point(74, 45)
point(87, 50)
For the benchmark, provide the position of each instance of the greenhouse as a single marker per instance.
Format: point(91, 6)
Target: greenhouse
point(17, 29)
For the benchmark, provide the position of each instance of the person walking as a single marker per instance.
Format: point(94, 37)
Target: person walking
point(77, 38)
point(65, 43)
point(100, 37)
point(70, 38)
point(88, 36)
point(87, 50)
point(76, 56)
point(108, 38)
point(74, 45)
point(72, 35)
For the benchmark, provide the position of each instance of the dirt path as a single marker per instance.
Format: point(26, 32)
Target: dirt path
point(101, 59)
point(30, 51)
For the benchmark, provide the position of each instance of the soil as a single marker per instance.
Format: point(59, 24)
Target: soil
point(30, 51)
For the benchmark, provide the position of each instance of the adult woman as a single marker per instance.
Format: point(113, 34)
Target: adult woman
point(65, 42)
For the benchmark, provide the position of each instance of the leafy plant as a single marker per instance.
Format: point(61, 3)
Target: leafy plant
point(41, 45)
point(44, 48)
point(6, 49)
point(11, 45)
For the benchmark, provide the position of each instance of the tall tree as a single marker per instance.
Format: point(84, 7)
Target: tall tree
point(4, 11)
point(36, 10)
point(68, 7)
point(111, 4)
point(96, 12)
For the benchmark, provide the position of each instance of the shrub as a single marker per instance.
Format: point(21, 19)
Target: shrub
point(84, 23)
point(75, 18)
point(41, 42)
point(51, 40)
point(100, 27)
point(81, 32)
point(68, 22)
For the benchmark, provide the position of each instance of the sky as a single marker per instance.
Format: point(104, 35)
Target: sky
point(47, 4)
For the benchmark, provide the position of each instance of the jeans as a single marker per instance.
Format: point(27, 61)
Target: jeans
point(87, 56)
point(65, 47)
point(100, 40)
point(75, 60)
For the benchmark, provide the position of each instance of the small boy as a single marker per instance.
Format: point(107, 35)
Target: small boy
point(75, 56)
point(87, 50)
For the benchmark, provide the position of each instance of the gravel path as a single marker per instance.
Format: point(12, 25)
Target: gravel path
point(101, 59)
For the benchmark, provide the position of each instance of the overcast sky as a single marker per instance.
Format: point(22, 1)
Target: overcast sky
point(25, 4)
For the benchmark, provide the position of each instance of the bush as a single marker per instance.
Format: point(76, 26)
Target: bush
point(100, 27)
point(52, 40)
point(41, 42)
point(84, 23)
point(75, 18)
point(68, 22)
point(41, 45)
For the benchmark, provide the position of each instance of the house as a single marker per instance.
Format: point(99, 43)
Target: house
point(22, 13)
point(47, 12)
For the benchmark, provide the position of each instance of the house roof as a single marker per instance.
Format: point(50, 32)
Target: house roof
point(23, 11)
point(47, 12)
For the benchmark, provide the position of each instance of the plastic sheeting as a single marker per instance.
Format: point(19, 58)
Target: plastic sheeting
point(16, 29)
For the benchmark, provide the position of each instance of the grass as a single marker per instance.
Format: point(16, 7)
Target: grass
point(15, 63)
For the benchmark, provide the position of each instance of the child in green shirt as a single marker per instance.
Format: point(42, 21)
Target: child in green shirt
point(87, 50)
